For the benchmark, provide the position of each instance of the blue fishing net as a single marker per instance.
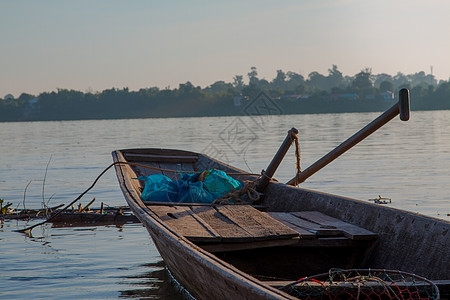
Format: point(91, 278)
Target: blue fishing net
point(160, 188)
point(201, 187)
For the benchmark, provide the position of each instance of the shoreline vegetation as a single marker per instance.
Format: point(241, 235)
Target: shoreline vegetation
point(289, 93)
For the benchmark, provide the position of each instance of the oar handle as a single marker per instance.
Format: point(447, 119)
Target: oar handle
point(403, 104)
point(401, 107)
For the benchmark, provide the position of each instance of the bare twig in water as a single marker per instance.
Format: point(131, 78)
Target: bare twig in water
point(43, 185)
point(25, 194)
point(48, 203)
point(245, 161)
point(27, 230)
point(87, 206)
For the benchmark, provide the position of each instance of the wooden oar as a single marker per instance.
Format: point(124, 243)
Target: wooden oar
point(267, 175)
point(402, 108)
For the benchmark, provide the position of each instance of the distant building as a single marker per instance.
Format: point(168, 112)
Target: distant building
point(387, 95)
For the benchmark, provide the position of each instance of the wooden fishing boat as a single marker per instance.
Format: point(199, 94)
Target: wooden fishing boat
point(245, 251)
point(256, 250)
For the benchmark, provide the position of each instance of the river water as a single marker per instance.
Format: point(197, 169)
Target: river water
point(53, 162)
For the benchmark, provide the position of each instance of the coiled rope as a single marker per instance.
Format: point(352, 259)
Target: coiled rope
point(234, 197)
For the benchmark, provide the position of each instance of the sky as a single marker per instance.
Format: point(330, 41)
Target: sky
point(92, 45)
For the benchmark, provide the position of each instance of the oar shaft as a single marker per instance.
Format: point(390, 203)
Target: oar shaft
point(401, 107)
point(273, 166)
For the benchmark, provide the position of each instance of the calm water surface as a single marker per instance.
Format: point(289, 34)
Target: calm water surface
point(408, 162)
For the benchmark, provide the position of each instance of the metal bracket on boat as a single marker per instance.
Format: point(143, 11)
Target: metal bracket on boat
point(401, 107)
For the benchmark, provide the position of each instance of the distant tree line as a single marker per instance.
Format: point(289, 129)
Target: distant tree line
point(293, 92)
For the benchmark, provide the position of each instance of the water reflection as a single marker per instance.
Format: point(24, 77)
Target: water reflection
point(153, 284)
point(95, 262)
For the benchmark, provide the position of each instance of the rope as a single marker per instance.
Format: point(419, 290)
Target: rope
point(294, 137)
point(249, 189)
point(297, 153)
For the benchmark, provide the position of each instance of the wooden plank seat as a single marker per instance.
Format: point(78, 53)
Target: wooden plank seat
point(228, 223)
point(323, 225)
point(238, 227)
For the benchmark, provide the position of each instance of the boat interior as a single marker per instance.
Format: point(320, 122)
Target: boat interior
point(274, 246)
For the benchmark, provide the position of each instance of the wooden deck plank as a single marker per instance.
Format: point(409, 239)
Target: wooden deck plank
point(226, 228)
point(257, 224)
point(291, 221)
point(181, 219)
point(349, 230)
point(312, 227)
point(241, 227)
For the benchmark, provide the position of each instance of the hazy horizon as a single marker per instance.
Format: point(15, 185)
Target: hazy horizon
point(86, 45)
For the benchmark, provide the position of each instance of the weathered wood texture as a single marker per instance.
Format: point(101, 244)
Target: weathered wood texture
point(227, 229)
point(240, 227)
point(324, 221)
point(238, 223)
point(183, 221)
point(323, 225)
point(260, 226)
point(306, 228)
